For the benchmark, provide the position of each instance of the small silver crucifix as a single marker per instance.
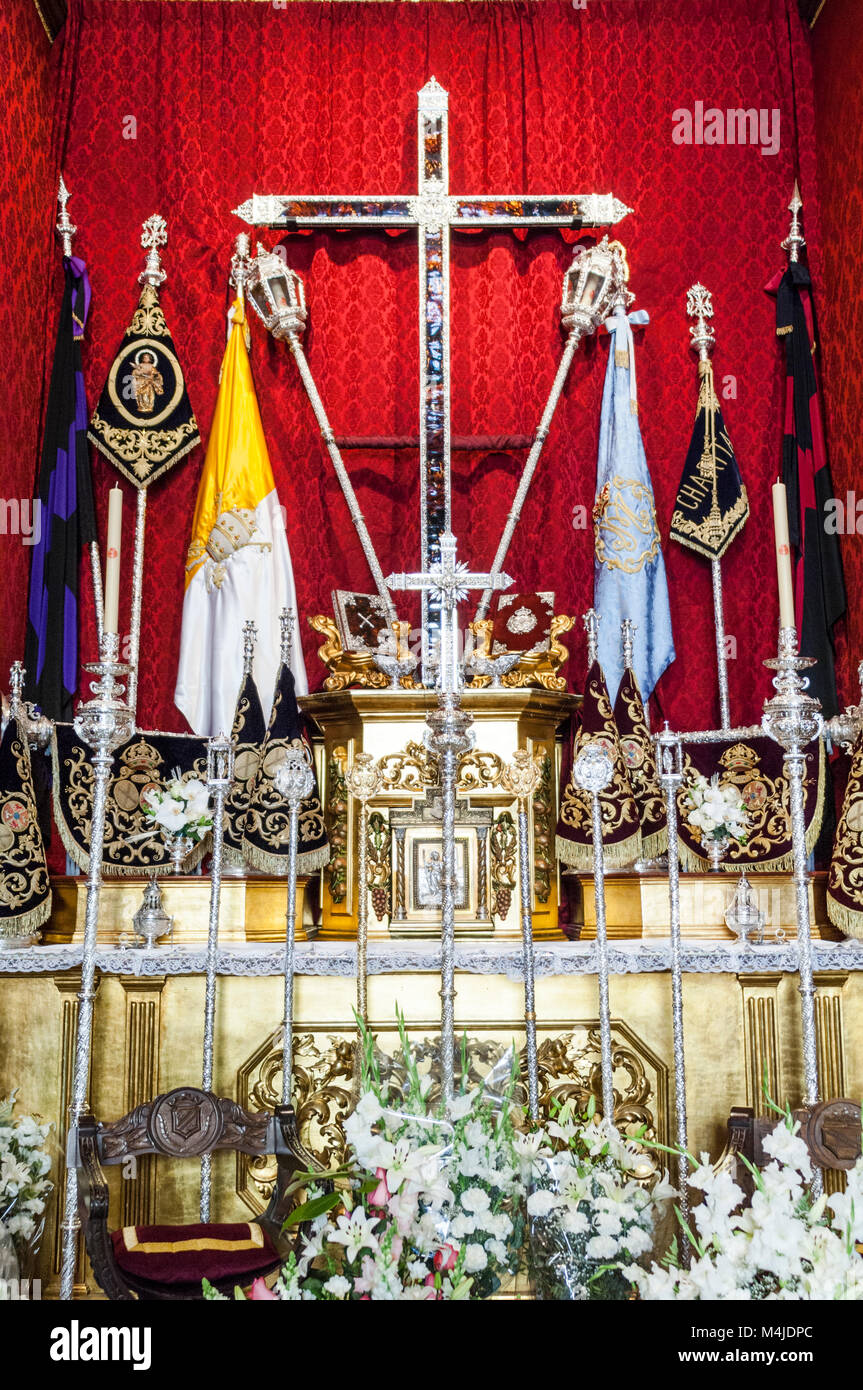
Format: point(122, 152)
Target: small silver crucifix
point(448, 583)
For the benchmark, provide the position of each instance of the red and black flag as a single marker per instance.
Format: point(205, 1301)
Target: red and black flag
point(817, 565)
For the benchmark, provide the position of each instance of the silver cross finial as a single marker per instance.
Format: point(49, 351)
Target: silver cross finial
point(250, 632)
point(240, 263)
point(628, 630)
point(795, 238)
point(591, 620)
point(154, 233)
point(286, 622)
point(66, 228)
point(699, 306)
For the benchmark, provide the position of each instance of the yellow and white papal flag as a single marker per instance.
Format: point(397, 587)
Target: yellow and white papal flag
point(238, 564)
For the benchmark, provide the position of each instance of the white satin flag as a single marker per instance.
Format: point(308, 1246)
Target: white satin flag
point(238, 565)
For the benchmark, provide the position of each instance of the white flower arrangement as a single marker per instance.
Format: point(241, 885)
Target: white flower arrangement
point(779, 1245)
point(718, 811)
point(429, 1207)
point(588, 1216)
point(179, 808)
point(24, 1168)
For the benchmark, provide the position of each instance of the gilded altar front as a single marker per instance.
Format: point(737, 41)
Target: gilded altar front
point(741, 1018)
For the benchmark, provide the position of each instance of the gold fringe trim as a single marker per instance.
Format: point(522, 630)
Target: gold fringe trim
point(277, 864)
point(580, 856)
point(233, 856)
point(697, 863)
point(845, 918)
point(81, 858)
point(121, 465)
point(25, 923)
point(652, 846)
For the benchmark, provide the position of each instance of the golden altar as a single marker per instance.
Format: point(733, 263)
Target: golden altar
point(741, 1014)
point(741, 1010)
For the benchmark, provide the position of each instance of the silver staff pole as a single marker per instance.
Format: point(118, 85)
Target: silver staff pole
point(220, 774)
point(295, 781)
point(103, 723)
point(592, 772)
point(520, 778)
point(670, 767)
point(363, 779)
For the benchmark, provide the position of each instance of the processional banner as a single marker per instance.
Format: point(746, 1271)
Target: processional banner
point(144, 422)
point(755, 767)
point(267, 824)
point(25, 889)
point(146, 761)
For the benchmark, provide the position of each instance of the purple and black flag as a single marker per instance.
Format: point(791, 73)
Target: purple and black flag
point(65, 520)
point(819, 586)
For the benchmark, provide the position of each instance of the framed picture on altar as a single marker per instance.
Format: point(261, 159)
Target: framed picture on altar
point(362, 621)
point(522, 623)
point(424, 868)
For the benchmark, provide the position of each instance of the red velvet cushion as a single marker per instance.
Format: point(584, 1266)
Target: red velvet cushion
point(187, 1254)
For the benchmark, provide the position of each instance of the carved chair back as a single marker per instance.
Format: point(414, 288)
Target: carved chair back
point(185, 1123)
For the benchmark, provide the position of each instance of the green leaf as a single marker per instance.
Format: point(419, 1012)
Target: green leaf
point(307, 1211)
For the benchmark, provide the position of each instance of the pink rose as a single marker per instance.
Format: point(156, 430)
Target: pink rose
point(259, 1292)
point(445, 1258)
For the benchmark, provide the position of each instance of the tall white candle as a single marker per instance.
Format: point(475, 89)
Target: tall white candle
point(783, 557)
point(112, 559)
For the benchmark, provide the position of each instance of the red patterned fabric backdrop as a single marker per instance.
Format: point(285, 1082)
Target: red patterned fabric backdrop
point(838, 63)
point(186, 109)
point(25, 214)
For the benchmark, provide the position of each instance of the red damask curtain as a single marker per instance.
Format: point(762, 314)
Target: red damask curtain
point(185, 109)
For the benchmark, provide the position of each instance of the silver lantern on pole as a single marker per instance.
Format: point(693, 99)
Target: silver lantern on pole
point(278, 297)
point(595, 280)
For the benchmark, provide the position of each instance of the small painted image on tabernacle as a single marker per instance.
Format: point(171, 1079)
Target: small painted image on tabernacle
point(428, 874)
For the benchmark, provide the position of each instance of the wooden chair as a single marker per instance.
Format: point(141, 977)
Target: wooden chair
point(165, 1262)
point(830, 1130)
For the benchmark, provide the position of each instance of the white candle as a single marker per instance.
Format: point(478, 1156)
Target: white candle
point(783, 557)
point(112, 559)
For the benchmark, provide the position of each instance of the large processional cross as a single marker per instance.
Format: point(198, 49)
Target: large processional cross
point(434, 211)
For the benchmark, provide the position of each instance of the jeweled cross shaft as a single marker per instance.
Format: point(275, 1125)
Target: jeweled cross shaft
point(448, 583)
point(434, 211)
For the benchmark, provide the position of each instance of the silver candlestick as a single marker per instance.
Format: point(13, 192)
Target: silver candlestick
point(793, 719)
point(104, 722)
point(295, 781)
point(592, 771)
point(220, 774)
point(520, 778)
point(363, 780)
point(670, 768)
